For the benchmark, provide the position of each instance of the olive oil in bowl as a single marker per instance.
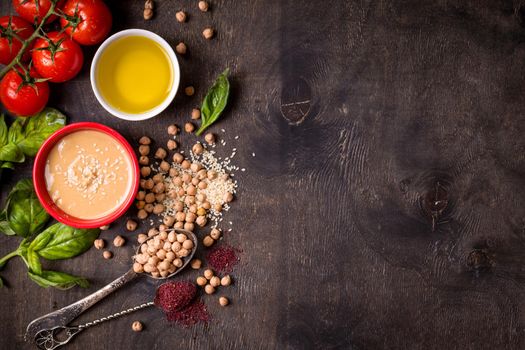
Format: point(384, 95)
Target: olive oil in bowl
point(134, 75)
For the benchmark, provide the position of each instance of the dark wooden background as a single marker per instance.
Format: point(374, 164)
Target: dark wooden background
point(355, 110)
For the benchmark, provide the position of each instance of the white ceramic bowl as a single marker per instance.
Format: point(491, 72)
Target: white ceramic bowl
point(175, 69)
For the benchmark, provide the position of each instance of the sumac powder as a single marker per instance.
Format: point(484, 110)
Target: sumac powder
point(192, 314)
point(223, 258)
point(173, 296)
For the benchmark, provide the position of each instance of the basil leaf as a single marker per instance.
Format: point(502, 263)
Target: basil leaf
point(38, 128)
point(25, 214)
point(59, 280)
point(3, 131)
point(11, 153)
point(7, 165)
point(34, 262)
point(15, 133)
point(6, 229)
point(65, 242)
point(215, 101)
point(23, 185)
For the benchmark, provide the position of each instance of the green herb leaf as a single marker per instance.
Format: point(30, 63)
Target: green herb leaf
point(38, 128)
point(25, 214)
point(33, 262)
point(64, 242)
point(59, 280)
point(15, 134)
point(7, 165)
point(215, 101)
point(11, 153)
point(3, 131)
point(6, 229)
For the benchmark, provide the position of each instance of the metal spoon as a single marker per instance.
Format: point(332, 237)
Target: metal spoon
point(46, 328)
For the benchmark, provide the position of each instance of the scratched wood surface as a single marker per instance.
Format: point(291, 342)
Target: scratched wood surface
point(384, 208)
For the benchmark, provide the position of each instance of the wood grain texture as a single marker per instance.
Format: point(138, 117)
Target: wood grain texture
point(355, 110)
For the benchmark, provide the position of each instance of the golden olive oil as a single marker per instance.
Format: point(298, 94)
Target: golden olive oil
point(134, 74)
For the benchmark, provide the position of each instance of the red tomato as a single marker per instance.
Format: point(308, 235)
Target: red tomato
point(23, 93)
point(57, 57)
point(33, 13)
point(9, 45)
point(88, 21)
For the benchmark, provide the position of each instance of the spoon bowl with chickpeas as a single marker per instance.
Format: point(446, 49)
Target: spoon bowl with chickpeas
point(161, 254)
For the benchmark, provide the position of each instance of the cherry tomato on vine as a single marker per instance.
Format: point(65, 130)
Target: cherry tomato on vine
point(87, 21)
point(10, 28)
point(57, 57)
point(34, 10)
point(23, 92)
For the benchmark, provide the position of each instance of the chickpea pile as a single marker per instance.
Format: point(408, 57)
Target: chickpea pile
point(209, 281)
point(163, 254)
point(182, 191)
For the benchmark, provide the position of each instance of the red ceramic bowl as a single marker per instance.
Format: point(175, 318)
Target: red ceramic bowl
point(40, 181)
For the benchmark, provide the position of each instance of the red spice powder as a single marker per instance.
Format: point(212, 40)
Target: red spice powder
point(192, 314)
point(223, 258)
point(173, 296)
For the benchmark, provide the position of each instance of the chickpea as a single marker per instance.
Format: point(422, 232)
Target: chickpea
point(155, 274)
point(208, 33)
point(195, 181)
point(141, 259)
point(183, 253)
point(195, 114)
point(158, 178)
point(193, 208)
point(164, 266)
point(185, 164)
point(209, 138)
point(181, 237)
point(226, 280)
point(137, 326)
point(142, 238)
point(195, 167)
point(177, 181)
point(145, 171)
point(179, 224)
point(189, 90)
point(212, 174)
point(164, 166)
point(148, 14)
point(161, 153)
point(202, 281)
point(153, 260)
point(181, 48)
point(187, 244)
point(170, 256)
point(150, 198)
point(140, 204)
point(162, 228)
point(131, 225)
point(148, 208)
point(196, 264)
point(181, 16)
point(99, 243)
point(209, 289)
point(186, 178)
point(173, 172)
point(144, 150)
point(201, 221)
point(190, 217)
point(202, 185)
point(228, 197)
point(119, 241)
point(179, 206)
point(208, 241)
point(159, 197)
point(180, 216)
point(159, 188)
point(168, 220)
point(225, 177)
point(142, 214)
point(151, 250)
point(178, 158)
point(215, 281)
point(203, 6)
point(189, 226)
point(202, 174)
point(189, 127)
point(149, 184)
point(158, 208)
point(206, 205)
point(149, 268)
point(140, 195)
point(215, 234)
point(143, 160)
point(208, 273)
point(176, 247)
point(172, 237)
point(107, 254)
point(217, 207)
point(157, 244)
point(138, 268)
point(201, 212)
point(173, 130)
point(144, 140)
point(172, 268)
point(178, 262)
point(171, 144)
point(223, 301)
point(191, 190)
point(153, 232)
point(142, 183)
point(197, 148)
